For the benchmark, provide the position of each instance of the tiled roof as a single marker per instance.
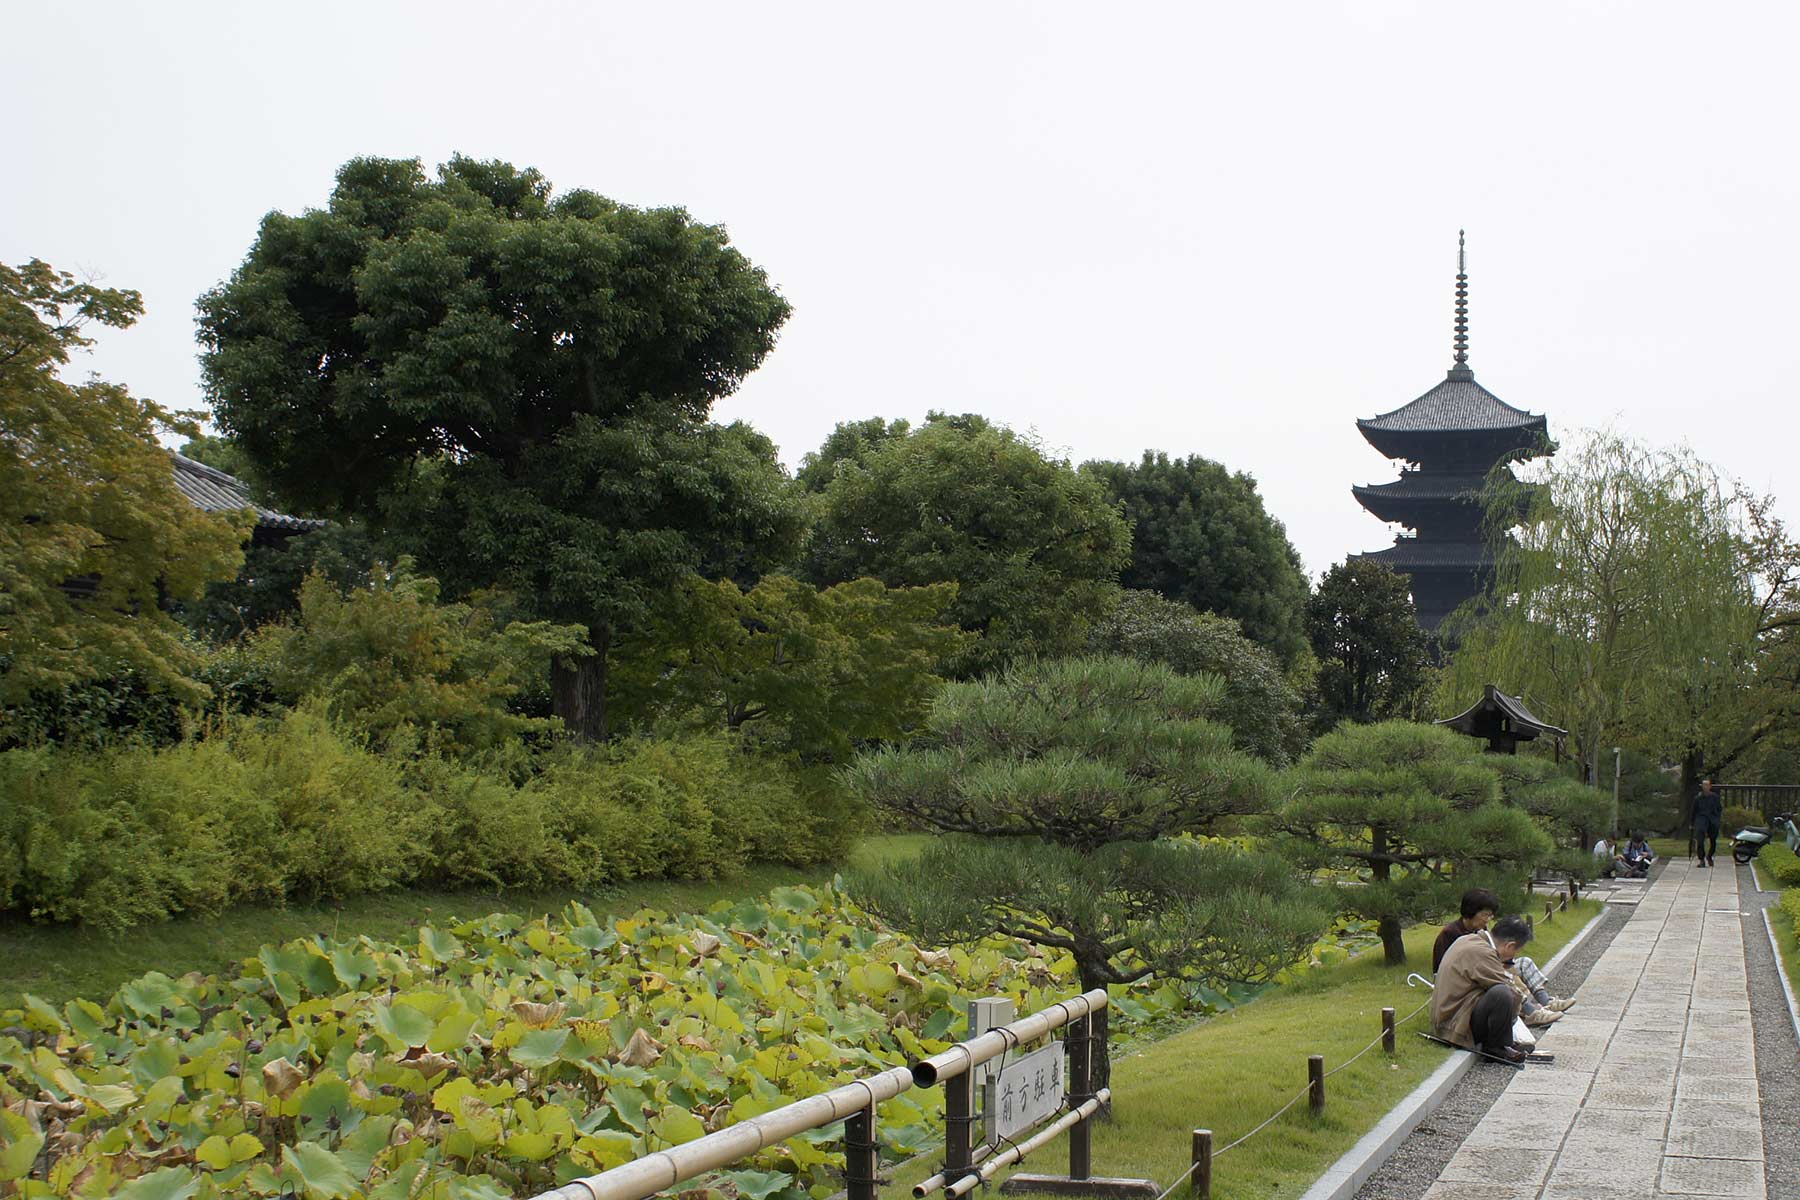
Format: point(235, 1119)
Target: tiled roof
point(1457, 405)
point(212, 490)
point(1411, 553)
point(1425, 485)
point(1493, 700)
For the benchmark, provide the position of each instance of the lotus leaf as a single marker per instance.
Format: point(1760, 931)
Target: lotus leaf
point(322, 1174)
point(170, 1183)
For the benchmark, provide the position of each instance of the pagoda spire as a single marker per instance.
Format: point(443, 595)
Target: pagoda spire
point(1461, 342)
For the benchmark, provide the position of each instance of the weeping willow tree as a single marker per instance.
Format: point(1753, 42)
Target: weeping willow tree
point(1630, 604)
point(1067, 786)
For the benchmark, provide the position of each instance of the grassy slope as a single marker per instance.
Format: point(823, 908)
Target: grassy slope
point(59, 962)
point(1229, 1073)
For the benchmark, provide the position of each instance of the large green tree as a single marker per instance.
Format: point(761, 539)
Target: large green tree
point(1373, 656)
point(1068, 782)
point(1401, 817)
point(1033, 547)
point(1261, 706)
point(519, 381)
point(94, 535)
point(1200, 534)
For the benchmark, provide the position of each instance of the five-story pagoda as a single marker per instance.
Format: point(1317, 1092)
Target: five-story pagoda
point(1450, 439)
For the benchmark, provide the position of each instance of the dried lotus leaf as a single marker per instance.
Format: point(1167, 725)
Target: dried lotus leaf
point(641, 1051)
point(540, 1016)
point(281, 1077)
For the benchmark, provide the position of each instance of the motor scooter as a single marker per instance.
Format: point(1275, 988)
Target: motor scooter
point(1748, 842)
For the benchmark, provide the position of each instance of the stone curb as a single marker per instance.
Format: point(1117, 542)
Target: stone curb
point(1787, 988)
point(1342, 1179)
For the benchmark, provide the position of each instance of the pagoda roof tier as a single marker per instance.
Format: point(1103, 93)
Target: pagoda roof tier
point(1416, 554)
point(1458, 410)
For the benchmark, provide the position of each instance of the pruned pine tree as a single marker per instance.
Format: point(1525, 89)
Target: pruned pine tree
point(1569, 811)
point(1402, 817)
point(1070, 782)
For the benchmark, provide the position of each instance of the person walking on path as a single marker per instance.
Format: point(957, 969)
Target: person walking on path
point(1474, 1003)
point(1709, 811)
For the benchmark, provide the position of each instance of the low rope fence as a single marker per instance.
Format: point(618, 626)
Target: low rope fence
point(1199, 1171)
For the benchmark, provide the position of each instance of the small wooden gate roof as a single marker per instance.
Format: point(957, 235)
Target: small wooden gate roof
point(1500, 717)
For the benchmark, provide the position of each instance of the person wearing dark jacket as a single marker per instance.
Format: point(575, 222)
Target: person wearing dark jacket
point(1709, 811)
point(1478, 908)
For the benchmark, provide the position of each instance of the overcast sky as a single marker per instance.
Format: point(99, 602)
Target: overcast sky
point(1222, 229)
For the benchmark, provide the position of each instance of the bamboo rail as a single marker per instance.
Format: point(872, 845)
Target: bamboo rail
point(644, 1177)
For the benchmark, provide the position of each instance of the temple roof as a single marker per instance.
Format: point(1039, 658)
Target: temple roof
point(1409, 554)
point(1425, 485)
point(1457, 405)
point(1498, 715)
point(212, 490)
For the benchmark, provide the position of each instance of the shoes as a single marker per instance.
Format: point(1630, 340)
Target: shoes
point(1542, 1016)
point(1512, 1055)
point(1561, 1005)
point(1701, 863)
point(1709, 860)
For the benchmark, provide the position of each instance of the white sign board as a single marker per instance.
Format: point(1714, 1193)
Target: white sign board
point(1027, 1092)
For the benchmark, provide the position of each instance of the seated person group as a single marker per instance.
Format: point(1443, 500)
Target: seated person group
point(1631, 861)
point(1483, 983)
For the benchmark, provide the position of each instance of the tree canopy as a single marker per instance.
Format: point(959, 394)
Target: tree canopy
point(1373, 656)
point(1033, 547)
point(1404, 816)
point(1644, 600)
point(94, 534)
point(810, 670)
point(1260, 705)
point(1200, 534)
point(519, 381)
point(1067, 782)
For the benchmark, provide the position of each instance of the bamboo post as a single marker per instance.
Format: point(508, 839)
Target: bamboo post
point(1081, 1090)
point(861, 1158)
point(1387, 1030)
point(1315, 1076)
point(959, 1125)
point(1200, 1186)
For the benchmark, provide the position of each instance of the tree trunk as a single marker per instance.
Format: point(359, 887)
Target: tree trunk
point(1393, 940)
point(1393, 937)
point(1100, 1047)
point(578, 689)
point(1691, 764)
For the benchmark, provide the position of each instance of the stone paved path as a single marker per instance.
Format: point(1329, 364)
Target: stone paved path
point(1653, 1092)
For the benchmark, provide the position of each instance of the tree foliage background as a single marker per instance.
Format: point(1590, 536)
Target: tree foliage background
point(1033, 547)
point(1200, 534)
point(93, 531)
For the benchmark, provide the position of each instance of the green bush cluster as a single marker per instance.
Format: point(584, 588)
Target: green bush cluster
point(1790, 904)
point(1736, 818)
point(1781, 866)
point(295, 807)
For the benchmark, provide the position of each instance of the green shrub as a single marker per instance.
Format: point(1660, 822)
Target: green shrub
point(1737, 818)
point(1781, 865)
point(265, 810)
point(1790, 904)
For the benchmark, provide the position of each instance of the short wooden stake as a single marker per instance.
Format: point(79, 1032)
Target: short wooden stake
point(1200, 1182)
point(1315, 1074)
point(1387, 1030)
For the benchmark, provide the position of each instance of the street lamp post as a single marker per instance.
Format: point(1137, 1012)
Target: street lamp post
point(1615, 788)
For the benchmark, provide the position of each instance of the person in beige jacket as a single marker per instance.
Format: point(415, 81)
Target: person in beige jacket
point(1474, 1003)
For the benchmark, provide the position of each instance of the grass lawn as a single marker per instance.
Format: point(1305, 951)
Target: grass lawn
point(1787, 943)
point(1229, 1073)
point(60, 962)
